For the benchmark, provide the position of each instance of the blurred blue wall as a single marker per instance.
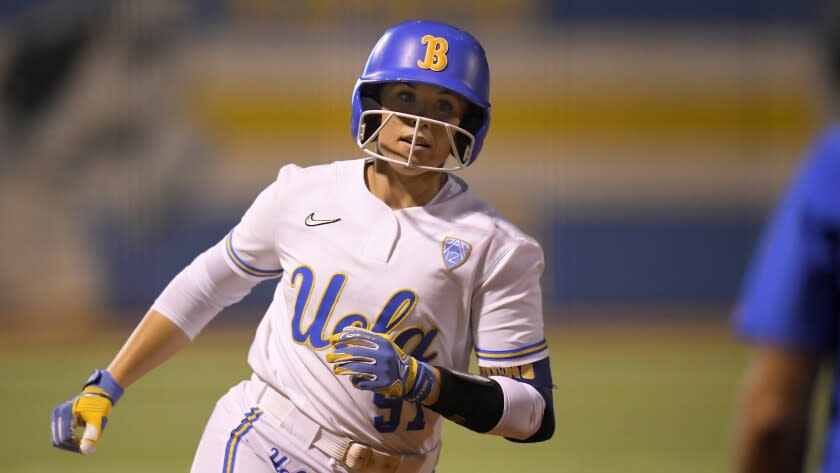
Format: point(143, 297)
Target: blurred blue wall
point(670, 259)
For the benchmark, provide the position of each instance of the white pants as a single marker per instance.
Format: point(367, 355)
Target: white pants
point(242, 438)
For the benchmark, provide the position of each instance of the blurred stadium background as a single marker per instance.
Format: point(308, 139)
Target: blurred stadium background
point(641, 142)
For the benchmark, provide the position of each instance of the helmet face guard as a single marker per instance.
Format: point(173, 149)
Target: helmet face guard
point(460, 155)
point(430, 53)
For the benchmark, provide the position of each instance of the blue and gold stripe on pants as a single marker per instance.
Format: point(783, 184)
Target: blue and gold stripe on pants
point(236, 436)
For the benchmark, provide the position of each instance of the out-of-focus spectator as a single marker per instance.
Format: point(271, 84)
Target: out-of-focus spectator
point(88, 130)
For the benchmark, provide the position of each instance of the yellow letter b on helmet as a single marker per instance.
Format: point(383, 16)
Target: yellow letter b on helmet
point(435, 53)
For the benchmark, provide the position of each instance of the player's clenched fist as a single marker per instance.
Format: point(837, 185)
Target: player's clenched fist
point(90, 410)
point(375, 363)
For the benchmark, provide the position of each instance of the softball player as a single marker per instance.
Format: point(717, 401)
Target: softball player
point(789, 311)
point(391, 272)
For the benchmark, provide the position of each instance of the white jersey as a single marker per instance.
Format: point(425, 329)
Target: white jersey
point(444, 280)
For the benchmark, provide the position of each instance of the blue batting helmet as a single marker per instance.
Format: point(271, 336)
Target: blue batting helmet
point(435, 54)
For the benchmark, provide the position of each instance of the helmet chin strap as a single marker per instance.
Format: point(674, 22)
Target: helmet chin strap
point(370, 146)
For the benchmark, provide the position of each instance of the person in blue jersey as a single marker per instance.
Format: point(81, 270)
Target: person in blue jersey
point(789, 310)
point(790, 304)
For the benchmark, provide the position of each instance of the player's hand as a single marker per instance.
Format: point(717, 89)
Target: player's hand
point(375, 363)
point(88, 410)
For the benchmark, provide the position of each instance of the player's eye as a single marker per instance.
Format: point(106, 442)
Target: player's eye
point(407, 96)
point(445, 106)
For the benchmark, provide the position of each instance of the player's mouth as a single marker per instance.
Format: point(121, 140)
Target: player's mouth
point(419, 143)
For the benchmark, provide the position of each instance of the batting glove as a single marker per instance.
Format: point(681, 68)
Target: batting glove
point(375, 363)
point(90, 410)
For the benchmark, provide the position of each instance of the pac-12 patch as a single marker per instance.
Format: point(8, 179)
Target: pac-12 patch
point(455, 252)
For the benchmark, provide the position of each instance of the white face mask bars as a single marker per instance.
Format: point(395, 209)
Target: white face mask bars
point(368, 146)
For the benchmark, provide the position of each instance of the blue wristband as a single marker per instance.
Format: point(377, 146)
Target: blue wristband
point(422, 385)
point(103, 379)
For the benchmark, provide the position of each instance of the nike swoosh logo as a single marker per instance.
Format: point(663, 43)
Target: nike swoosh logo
point(312, 222)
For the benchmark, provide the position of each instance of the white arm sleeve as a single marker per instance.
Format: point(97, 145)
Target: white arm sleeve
point(523, 412)
point(201, 290)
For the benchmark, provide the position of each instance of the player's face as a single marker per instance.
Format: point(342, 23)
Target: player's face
point(432, 145)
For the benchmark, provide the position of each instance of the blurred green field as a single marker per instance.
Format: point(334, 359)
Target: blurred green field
point(628, 399)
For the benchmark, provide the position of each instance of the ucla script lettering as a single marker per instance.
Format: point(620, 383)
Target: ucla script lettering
point(312, 330)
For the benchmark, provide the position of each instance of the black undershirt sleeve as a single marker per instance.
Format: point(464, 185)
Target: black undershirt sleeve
point(477, 402)
point(470, 400)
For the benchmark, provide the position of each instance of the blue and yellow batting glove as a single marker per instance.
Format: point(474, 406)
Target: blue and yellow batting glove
point(88, 410)
point(375, 363)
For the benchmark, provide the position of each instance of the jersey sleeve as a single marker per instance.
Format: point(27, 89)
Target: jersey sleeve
point(507, 309)
point(791, 297)
point(251, 247)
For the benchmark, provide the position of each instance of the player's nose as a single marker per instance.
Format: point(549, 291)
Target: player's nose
point(424, 124)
